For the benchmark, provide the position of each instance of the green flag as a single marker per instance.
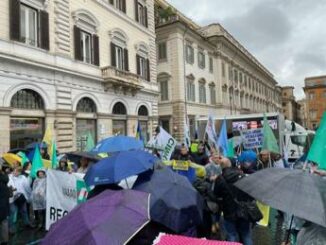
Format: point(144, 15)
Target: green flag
point(54, 160)
point(37, 162)
point(82, 191)
point(24, 157)
point(269, 142)
point(230, 152)
point(317, 152)
point(90, 142)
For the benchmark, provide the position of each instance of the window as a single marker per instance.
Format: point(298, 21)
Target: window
point(29, 25)
point(165, 123)
point(202, 92)
point(235, 73)
point(190, 54)
point(211, 64)
point(240, 78)
point(85, 128)
point(86, 105)
point(230, 73)
point(162, 55)
point(283, 104)
point(245, 80)
point(119, 4)
point(141, 13)
point(27, 99)
point(119, 109)
point(142, 111)
point(164, 90)
point(312, 96)
point(191, 91)
point(212, 91)
point(223, 69)
point(86, 46)
point(119, 57)
point(201, 59)
point(143, 67)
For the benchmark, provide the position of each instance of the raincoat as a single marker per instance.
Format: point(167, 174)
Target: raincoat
point(39, 194)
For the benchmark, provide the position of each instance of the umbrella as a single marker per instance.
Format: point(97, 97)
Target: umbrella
point(292, 191)
point(16, 150)
point(11, 158)
point(77, 155)
point(118, 143)
point(166, 239)
point(120, 166)
point(113, 217)
point(174, 201)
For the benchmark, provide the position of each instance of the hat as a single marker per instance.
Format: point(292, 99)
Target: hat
point(41, 170)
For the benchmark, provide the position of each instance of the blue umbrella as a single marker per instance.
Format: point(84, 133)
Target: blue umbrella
point(119, 166)
point(174, 201)
point(248, 156)
point(118, 143)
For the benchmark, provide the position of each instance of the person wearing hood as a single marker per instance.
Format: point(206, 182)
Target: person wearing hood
point(184, 155)
point(63, 165)
point(39, 198)
point(200, 157)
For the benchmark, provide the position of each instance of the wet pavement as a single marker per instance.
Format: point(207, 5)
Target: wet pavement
point(271, 235)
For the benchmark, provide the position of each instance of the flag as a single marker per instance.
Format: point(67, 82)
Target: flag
point(139, 132)
point(23, 157)
point(317, 150)
point(89, 142)
point(230, 152)
point(54, 160)
point(222, 142)
point(82, 191)
point(37, 162)
point(187, 141)
point(210, 129)
point(269, 141)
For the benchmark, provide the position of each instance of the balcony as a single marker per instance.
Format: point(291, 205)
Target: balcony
point(119, 80)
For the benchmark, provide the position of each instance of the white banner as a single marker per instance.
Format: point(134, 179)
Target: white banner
point(164, 142)
point(210, 130)
point(62, 194)
point(252, 138)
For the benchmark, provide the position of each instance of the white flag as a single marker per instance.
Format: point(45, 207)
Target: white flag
point(164, 142)
point(210, 130)
point(186, 134)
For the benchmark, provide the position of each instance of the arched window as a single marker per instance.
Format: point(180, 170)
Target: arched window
point(142, 111)
point(86, 105)
point(27, 99)
point(119, 109)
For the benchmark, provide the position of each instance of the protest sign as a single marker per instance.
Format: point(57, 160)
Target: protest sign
point(252, 138)
point(63, 192)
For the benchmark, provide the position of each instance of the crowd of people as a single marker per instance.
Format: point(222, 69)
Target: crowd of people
point(25, 197)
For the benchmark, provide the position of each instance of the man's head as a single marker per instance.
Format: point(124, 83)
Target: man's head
point(17, 171)
point(264, 156)
point(84, 162)
point(183, 150)
point(201, 148)
point(225, 162)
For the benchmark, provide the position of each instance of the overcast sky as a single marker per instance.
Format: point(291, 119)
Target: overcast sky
point(287, 36)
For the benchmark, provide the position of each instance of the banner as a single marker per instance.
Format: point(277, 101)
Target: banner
point(63, 192)
point(210, 130)
point(164, 142)
point(252, 138)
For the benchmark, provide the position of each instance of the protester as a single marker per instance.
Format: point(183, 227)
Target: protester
point(26, 168)
point(265, 160)
point(84, 165)
point(21, 195)
point(44, 154)
point(200, 157)
point(63, 165)
point(39, 198)
point(248, 162)
point(4, 206)
point(237, 229)
point(183, 155)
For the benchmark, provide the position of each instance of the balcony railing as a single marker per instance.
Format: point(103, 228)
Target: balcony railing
point(121, 80)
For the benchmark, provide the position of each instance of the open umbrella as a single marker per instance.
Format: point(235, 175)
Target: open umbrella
point(292, 191)
point(119, 166)
point(11, 158)
point(113, 217)
point(118, 143)
point(32, 146)
point(174, 201)
point(77, 155)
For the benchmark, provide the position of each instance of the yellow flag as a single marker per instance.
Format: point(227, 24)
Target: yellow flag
point(264, 209)
point(48, 138)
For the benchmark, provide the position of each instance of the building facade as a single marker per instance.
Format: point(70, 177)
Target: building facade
point(204, 71)
point(290, 107)
point(85, 68)
point(315, 90)
point(302, 115)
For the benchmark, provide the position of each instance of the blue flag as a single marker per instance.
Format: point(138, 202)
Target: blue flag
point(222, 141)
point(139, 132)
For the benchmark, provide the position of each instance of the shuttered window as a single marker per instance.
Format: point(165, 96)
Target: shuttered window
point(143, 66)
point(141, 13)
point(29, 25)
point(190, 54)
point(119, 57)
point(164, 90)
point(86, 46)
point(201, 59)
point(162, 51)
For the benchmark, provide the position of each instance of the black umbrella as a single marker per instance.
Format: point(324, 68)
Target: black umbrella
point(77, 155)
point(174, 201)
point(293, 191)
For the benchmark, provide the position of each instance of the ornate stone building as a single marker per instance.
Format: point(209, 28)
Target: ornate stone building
point(205, 70)
point(86, 67)
point(290, 107)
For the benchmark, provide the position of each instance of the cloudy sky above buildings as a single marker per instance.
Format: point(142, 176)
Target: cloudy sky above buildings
point(287, 36)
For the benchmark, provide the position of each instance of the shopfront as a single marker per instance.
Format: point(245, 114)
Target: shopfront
point(143, 121)
point(119, 122)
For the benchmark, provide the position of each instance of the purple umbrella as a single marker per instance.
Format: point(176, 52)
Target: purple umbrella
point(113, 217)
